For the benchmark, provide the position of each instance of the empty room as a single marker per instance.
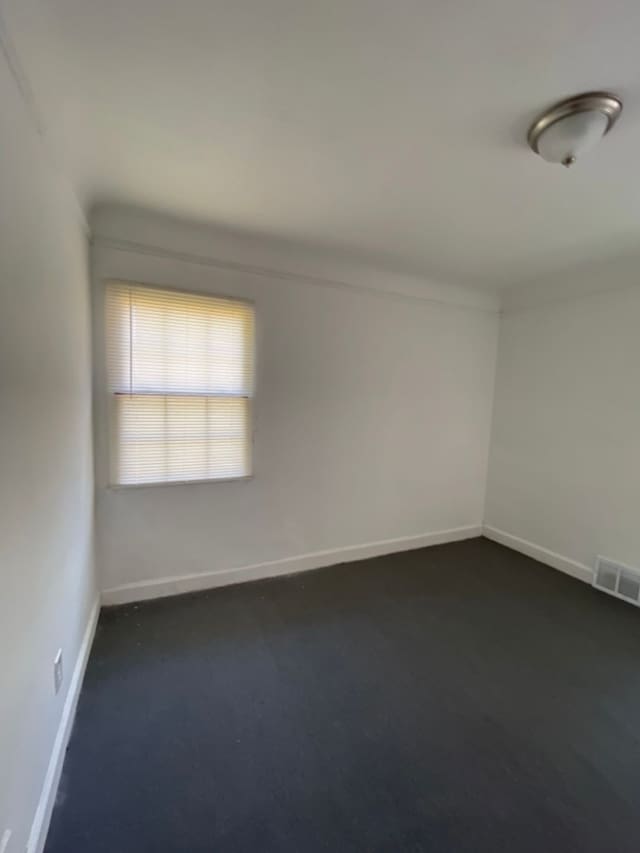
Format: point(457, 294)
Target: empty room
point(320, 426)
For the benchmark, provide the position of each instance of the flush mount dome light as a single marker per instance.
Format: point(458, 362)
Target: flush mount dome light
point(573, 126)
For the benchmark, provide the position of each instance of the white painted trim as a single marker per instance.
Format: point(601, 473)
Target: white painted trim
point(596, 279)
point(42, 818)
point(485, 303)
point(543, 555)
point(160, 587)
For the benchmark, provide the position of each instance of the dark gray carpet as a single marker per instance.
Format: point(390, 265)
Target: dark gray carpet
point(457, 698)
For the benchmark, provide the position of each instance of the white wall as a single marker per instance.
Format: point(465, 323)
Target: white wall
point(565, 456)
point(372, 412)
point(46, 479)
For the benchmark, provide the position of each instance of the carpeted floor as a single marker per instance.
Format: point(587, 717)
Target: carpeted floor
point(457, 698)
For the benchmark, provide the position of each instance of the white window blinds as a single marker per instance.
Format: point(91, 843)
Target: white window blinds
point(180, 372)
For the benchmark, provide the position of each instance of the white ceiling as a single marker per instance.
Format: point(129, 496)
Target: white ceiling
point(390, 130)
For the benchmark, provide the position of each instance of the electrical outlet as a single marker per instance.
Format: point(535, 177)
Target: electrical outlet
point(4, 842)
point(57, 675)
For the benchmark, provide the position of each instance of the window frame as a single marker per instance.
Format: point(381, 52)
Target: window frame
point(111, 408)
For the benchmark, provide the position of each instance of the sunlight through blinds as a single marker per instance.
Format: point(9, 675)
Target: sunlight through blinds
point(180, 372)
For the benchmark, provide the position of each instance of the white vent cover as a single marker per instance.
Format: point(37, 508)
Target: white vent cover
point(617, 579)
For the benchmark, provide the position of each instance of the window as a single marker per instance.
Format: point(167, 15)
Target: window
point(180, 372)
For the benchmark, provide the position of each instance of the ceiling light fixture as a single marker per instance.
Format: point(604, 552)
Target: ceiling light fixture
point(573, 126)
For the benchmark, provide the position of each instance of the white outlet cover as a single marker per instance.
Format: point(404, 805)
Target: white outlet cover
point(4, 843)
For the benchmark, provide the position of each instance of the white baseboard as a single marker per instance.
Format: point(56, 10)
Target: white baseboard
point(543, 555)
point(160, 587)
point(40, 825)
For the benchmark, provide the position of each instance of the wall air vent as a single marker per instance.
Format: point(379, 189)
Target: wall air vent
point(617, 579)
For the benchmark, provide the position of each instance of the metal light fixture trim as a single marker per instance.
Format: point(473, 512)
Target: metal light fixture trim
point(602, 102)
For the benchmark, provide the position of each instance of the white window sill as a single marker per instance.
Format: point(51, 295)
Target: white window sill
point(118, 487)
